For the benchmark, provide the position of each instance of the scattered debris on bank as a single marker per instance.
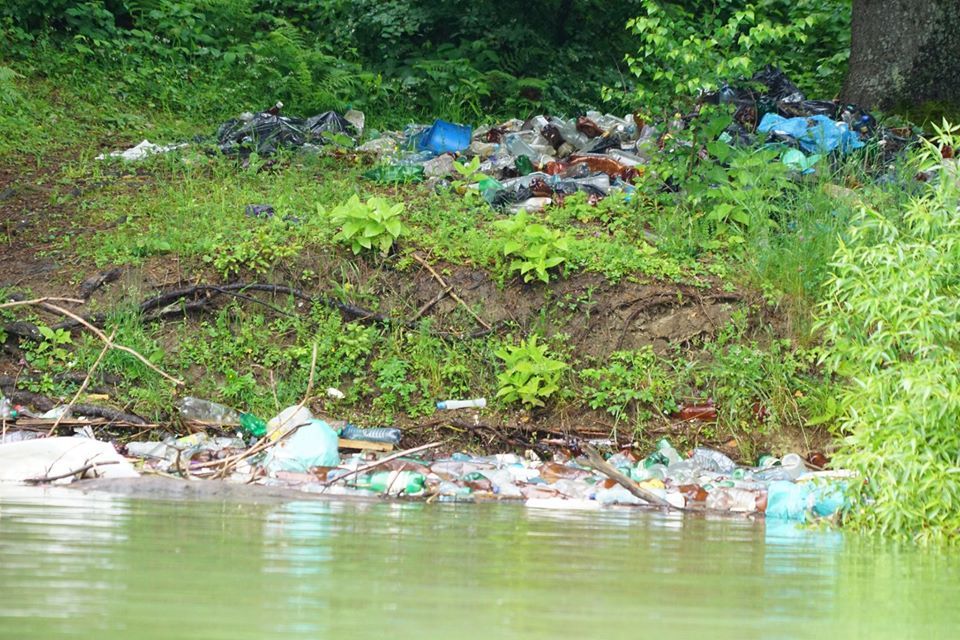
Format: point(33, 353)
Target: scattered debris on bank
point(295, 450)
point(530, 164)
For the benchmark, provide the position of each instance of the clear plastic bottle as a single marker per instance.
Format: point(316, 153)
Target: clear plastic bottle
point(197, 410)
point(683, 472)
point(389, 435)
point(475, 403)
point(7, 410)
point(666, 449)
point(790, 468)
point(713, 461)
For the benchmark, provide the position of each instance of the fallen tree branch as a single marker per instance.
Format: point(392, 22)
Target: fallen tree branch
point(596, 461)
point(37, 301)
point(100, 334)
point(453, 294)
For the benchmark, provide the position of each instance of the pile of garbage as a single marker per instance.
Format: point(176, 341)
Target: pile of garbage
point(297, 450)
point(529, 164)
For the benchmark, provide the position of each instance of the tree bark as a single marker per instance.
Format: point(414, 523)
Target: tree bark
point(904, 53)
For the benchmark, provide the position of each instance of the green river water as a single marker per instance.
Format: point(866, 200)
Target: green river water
point(104, 567)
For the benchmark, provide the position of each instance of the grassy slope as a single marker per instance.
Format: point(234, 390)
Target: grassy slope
point(180, 219)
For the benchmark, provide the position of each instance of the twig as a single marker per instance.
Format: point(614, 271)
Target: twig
point(20, 303)
point(109, 343)
point(434, 300)
point(83, 385)
point(81, 470)
point(374, 465)
point(596, 461)
point(453, 294)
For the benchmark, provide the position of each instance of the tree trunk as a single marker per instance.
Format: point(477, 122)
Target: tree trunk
point(904, 53)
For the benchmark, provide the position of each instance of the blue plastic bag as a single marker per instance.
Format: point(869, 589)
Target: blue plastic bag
point(816, 134)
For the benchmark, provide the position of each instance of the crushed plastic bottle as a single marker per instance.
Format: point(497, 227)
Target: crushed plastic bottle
point(198, 410)
point(713, 461)
point(389, 435)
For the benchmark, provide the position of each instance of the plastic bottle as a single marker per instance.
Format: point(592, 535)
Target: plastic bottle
point(449, 405)
point(253, 426)
point(737, 500)
point(791, 468)
point(524, 165)
point(683, 472)
point(389, 435)
point(197, 410)
point(713, 461)
point(518, 147)
point(393, 482)
point(666, 449)
point(7, 410)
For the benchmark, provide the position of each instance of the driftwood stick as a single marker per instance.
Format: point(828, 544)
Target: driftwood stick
point(596, 461)
point(453, 294)
point(83, 385)
point(374, 465)
point(434, 300)
point(81, 470)
point(21, 303)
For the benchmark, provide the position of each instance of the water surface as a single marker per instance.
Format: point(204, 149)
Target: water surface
point(105, 567)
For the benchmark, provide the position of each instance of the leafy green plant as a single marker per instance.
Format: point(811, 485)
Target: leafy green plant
point(632, 383)
point(255, 249)
point(530, 375)
point(533, 247)
point(50, 349)
point(365, 225)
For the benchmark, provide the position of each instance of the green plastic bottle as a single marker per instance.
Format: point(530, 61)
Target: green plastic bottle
point(394, 482)
point(523, 165)
point(253, 426)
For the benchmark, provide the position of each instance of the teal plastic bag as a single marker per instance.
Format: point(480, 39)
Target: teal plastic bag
point(314, 444)
point(797, 501)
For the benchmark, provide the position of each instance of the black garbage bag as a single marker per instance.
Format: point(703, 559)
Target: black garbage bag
point(331, 122)
point(263, 133)
point(266, 132)
point(807, 108)
point(778, 85)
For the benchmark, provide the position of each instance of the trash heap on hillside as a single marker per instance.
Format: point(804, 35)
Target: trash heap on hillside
point(529, 164)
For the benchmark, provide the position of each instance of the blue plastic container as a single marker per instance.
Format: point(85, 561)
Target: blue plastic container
point(445, 137)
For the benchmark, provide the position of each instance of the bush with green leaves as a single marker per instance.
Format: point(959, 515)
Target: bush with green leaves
point(533, 248)
point(365, 225)
point(891, 321)
point(633, 383)
point(688, 47)
point(529, 374)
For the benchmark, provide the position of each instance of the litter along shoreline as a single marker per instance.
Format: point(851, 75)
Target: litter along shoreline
point(307, 460)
